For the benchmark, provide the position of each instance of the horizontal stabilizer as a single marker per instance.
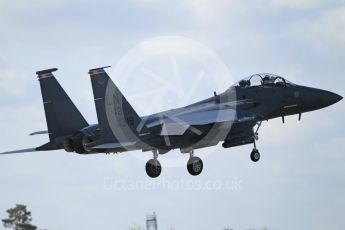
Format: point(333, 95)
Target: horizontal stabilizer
point(39, 133)
point(46, 147)
point(21, 151)
point(115, 145)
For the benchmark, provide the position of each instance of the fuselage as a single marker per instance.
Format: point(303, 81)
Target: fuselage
point(229, 116)
point(253, 104)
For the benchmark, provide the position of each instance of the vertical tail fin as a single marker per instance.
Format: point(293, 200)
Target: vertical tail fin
point(62, 116)
point(116, 117)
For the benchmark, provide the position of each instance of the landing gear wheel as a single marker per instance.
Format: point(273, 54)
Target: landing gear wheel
point(195, 166)
point(255, 155)
point(153, 168)
point(77, 143)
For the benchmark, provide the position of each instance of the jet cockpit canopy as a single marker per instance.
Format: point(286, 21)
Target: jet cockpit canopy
point(264, 80)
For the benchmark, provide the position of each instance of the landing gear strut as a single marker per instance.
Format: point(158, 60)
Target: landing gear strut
point(194, 165)
point(255, 154)
point(153, 167)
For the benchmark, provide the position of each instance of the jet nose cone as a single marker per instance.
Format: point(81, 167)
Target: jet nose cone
point(338, 98)
point(333, 98)
point(328, 98)
point(313, 99)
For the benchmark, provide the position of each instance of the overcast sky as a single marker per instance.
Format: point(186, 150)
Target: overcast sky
point(299, 183)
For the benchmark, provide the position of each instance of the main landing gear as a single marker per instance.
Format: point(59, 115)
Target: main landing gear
point(194, 165)
point(153, 167)
point(255, 154)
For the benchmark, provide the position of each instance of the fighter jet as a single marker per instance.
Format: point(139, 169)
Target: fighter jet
point(232, 117)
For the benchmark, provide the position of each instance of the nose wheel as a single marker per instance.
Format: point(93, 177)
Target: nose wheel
point(153, 167)
point(194, 165)
point(255, 155)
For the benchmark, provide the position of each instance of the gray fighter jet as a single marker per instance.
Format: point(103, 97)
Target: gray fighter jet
point(232, 117)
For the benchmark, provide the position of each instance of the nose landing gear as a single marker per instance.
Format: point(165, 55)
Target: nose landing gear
point(255, 154)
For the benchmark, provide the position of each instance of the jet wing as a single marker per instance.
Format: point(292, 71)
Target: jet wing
point(177, 124)
point(195, 118)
